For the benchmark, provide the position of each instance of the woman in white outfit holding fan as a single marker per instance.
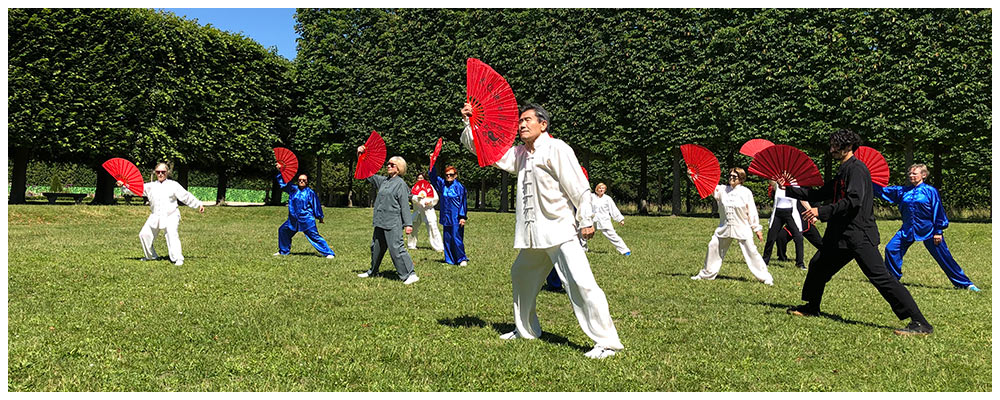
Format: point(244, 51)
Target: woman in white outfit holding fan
point(163, 195)
point(424, 198)
point(604, 212)
point(738, 221)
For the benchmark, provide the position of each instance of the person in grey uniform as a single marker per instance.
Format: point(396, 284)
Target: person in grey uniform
point(391, 218)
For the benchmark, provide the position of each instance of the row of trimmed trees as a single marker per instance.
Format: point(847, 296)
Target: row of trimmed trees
point(626, 88)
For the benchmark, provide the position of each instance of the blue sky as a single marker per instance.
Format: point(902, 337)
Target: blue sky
point(268, 26)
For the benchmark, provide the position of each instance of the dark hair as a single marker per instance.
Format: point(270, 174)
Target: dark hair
point(539, 112)
point(844, 139)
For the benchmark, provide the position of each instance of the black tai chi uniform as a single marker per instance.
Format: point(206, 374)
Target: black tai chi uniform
point(851, 234)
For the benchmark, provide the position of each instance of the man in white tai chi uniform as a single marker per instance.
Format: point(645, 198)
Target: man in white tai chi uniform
point(550, 184)
point(163, 194)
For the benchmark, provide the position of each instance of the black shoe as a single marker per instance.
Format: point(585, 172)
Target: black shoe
point(548, 288)
point(916, 328)
point(803, 311)
point(784, 259)
point(802, 267)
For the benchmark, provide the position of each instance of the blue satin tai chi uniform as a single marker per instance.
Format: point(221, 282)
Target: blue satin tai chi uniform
point(303, 211)
point(453, 208)
point(923, 217)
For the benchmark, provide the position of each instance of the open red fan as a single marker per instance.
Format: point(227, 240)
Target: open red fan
point(703, 168)
point(123, 170)
point(435, 154)
point(372, 159)
point(786, 165)
point(289, 163)
point(422, 188)
point(876, 164)
point(753, 146)
point(494, 111)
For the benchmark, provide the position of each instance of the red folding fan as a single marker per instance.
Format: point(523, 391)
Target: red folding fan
point(288, 162)
point(876, 164)
point(422, 188)
point(752, 146)
point(123, 170)
point(786, 165)
point(372, 159)
point(494, 111)
point(703, 168)
point(435, 154)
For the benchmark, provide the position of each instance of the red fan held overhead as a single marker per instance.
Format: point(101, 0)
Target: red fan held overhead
point(876, 164)
point(123, 170)
point(372, 159)
point(703, 168)
point(435, 154)
point(422, 188)
point(786, 165)
point(494, 111)
point(289, 164)
point(753, 146)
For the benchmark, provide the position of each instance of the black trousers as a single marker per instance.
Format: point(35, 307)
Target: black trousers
point(811, 234)
point(783, 217)
point(828, 261)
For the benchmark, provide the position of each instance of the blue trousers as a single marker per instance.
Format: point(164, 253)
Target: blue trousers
point(285, 233)
point(553, 279)
point(896, 249)
point(454, 244)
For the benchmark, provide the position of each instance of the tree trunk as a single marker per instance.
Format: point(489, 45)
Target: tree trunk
point(937, 178)
point(104, 194)
point(908, 155)
point(220, 194)
point(676, 197)
point(504, 186)
point(643, 183)
point(181, 175)
point(350, 184)
point(318, 182)
point(687, 196)
point(19, 182)
point(275, 199)
point(481, 196)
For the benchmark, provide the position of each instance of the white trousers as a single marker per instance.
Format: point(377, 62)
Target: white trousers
point(427, 216)
point(613, 238)
point(717, 248)
point(151, 229)
point(589, 302)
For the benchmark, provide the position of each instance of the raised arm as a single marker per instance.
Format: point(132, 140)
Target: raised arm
point(892, 194)
point(506, 163)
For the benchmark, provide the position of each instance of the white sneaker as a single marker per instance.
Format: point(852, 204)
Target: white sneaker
point(411, 247)
point(278, 254)
point(463, 263)
point(179, 263)
point(696, 278)
point(411, 279)
point(363, 275)
point(510, 335)
point(599, 352)
point(330, 256)
point(769, 283)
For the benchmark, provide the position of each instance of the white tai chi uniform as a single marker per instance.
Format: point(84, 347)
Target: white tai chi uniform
point(605, 211)
point(550, 183)
point(164, 215)
point(738, 221)
point(423, 211)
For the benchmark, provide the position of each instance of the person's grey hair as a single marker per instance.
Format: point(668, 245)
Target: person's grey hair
point(169, 170)
point(400, 164)
point(540, 113)
point(923, 169)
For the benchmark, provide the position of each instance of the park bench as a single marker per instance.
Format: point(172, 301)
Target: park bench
point(128, 199)
point(77, 197)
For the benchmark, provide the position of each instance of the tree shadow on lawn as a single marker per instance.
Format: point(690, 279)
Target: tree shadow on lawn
point(719, 277)
point(833, 317)
point(471, 321)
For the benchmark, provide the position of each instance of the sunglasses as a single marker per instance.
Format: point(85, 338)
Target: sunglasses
point(451, 174)
point(160, 172)
point(734, 176)
point(303, 180)
point(390, 165)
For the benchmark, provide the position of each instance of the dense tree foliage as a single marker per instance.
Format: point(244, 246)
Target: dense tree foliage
point(625, 88)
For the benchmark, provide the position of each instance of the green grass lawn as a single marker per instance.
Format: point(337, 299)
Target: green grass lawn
point(85, 314)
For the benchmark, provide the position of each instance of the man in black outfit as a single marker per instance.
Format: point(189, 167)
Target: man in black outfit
point(851, 234)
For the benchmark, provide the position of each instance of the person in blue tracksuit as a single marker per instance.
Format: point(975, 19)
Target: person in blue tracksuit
point(923, 220)
point(453, 214)
point(304, 210)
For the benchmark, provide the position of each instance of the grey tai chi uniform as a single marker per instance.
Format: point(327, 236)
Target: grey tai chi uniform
point(390, 216)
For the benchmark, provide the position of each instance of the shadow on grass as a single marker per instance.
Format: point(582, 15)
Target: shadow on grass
point(719, 277)
point(471, 321)
point(920, 285)
point(834, 317)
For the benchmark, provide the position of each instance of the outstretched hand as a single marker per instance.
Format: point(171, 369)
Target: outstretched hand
point(587, 232)
point(811, 214)
point(361, 149)
point(201, 209)
point(119, 183)
point(408, 230)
